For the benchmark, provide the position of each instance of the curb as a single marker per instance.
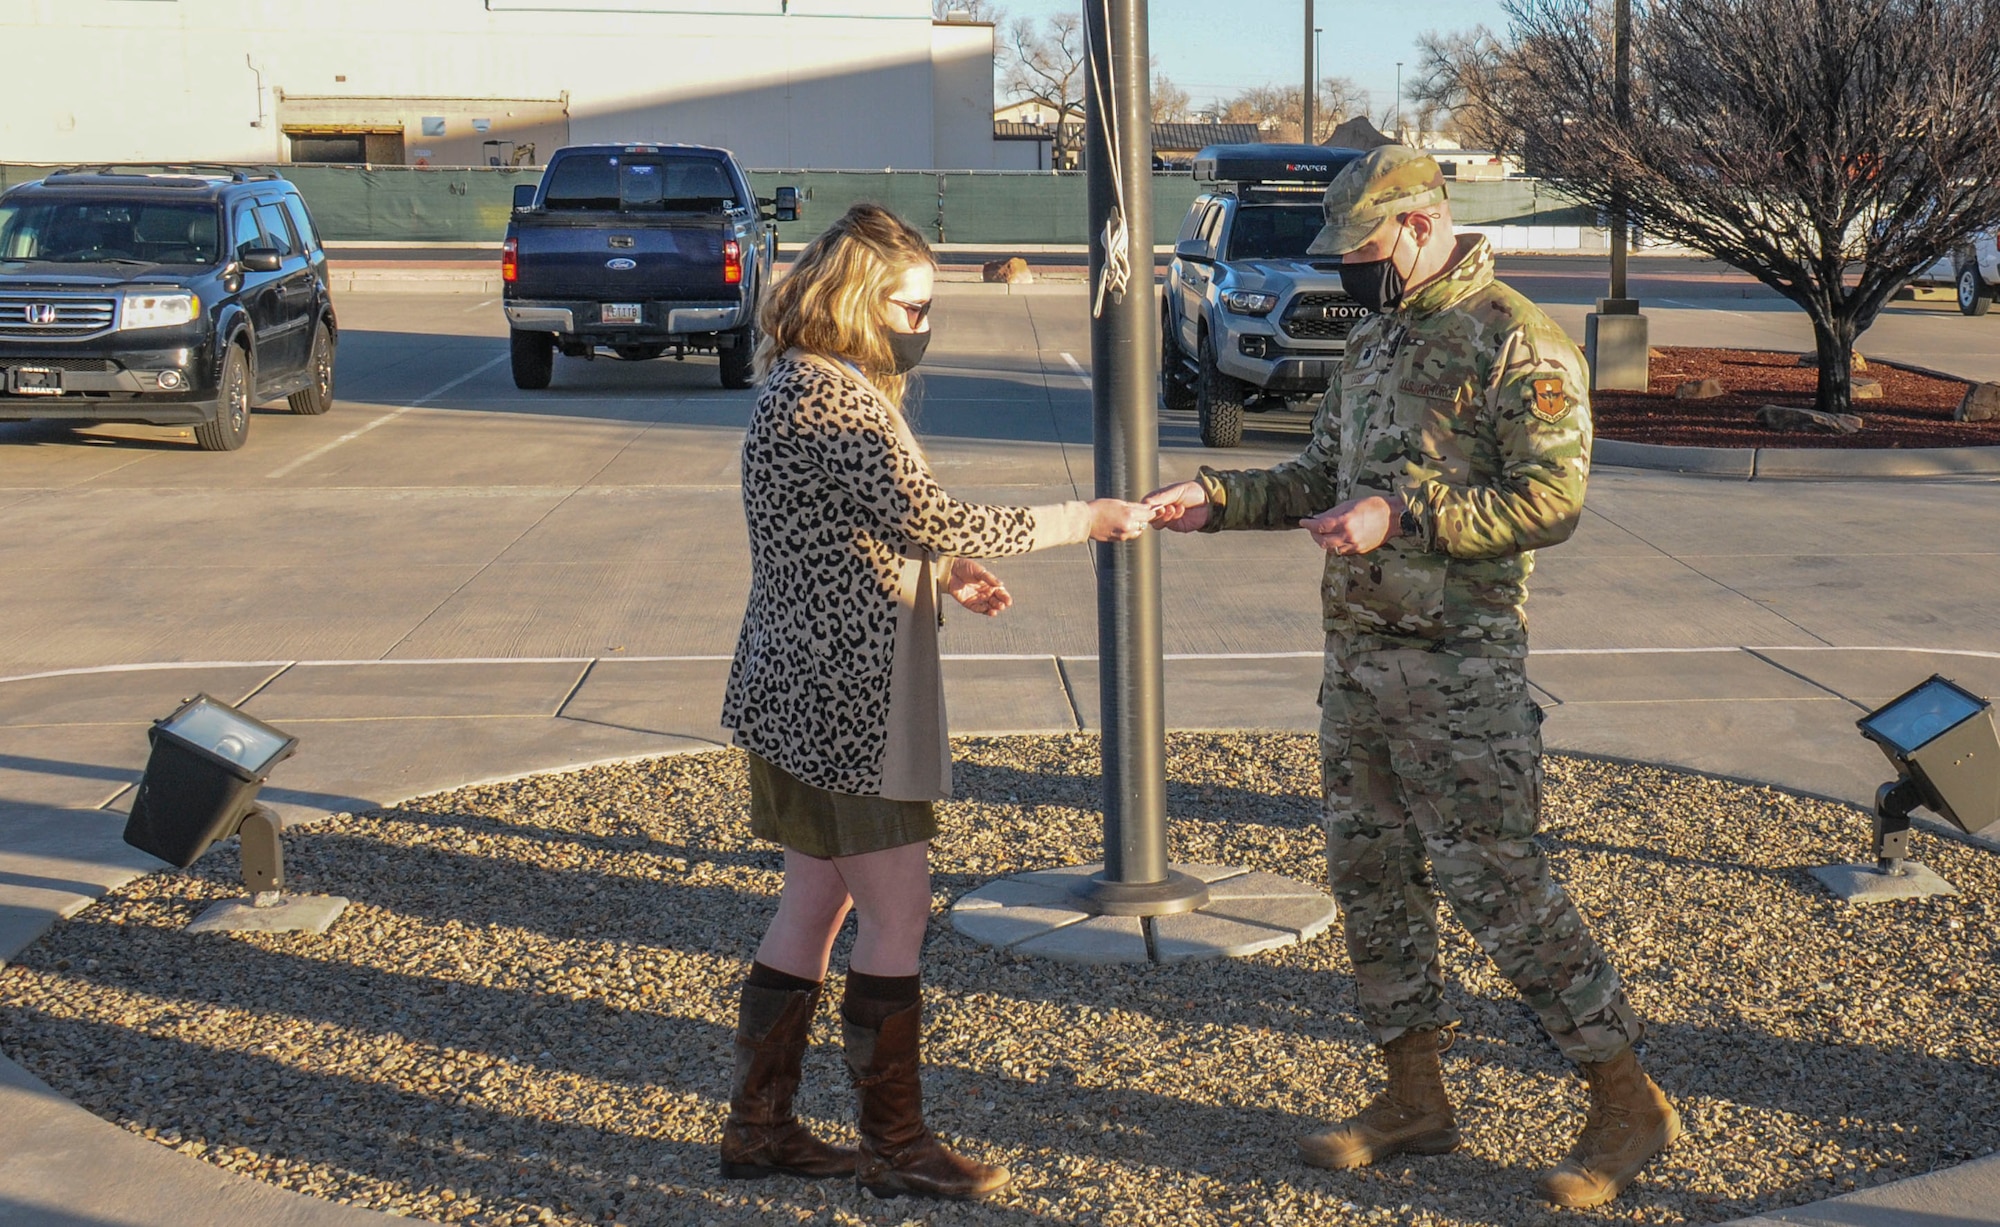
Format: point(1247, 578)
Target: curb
point(1773, 463)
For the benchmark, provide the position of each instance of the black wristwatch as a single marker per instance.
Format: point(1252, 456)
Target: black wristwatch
point(1409, 524)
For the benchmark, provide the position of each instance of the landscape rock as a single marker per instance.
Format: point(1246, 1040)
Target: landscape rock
point(1013, 271)
point(1866, 389)
point(1700, 389)
point(1791, 417)
point(1981, 403)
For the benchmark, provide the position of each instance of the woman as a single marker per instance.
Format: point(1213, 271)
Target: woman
point(837, 694)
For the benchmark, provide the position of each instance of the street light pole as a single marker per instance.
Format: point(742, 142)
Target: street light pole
point(1311, 95)
point(1125, 352)
point(1399, 102)
point(1621, 111)
point(1615, 337)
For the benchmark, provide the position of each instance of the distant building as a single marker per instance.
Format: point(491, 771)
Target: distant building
point(786, 84)
point(1174, 144)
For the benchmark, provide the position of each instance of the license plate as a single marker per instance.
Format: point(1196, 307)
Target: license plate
point(619, 313)
point(37, 381)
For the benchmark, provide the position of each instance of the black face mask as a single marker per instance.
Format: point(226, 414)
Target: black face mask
point(1375, 284)
point(908, 350)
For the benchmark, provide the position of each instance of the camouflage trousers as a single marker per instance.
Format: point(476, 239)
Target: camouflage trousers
point(1433, 777)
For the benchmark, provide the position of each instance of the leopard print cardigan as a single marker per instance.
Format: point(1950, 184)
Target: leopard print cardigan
point(838, 499)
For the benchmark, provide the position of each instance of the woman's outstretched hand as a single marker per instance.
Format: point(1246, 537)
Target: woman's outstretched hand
point(976, 588)
point(1114, 519)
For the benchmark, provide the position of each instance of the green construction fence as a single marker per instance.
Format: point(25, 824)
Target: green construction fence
point(407, 204)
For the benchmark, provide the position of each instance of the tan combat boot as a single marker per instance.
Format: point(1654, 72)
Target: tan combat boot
point(899, 1154)
point(1412, 1115)
point(762, 1137)
point(1630, 1121)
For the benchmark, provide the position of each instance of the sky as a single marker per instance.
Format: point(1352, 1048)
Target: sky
point(1215, 48)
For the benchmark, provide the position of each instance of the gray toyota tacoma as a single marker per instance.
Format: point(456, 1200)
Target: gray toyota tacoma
point(1248, 320)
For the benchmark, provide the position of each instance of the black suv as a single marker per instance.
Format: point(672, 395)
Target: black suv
point(170, 296)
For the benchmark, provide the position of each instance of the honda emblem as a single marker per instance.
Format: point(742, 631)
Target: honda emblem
point(40, 314)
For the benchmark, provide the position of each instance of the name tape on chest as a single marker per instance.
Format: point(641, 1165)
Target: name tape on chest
point(1551, 403)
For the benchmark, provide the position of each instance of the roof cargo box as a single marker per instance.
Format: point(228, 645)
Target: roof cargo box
point(1271, 163)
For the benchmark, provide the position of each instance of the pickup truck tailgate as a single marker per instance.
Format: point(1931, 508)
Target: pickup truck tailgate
point(610, 257)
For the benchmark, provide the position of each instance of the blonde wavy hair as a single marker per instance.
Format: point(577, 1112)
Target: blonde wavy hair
point(831, 302)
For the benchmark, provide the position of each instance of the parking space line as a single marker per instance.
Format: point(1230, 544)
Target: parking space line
point(385, 419)
point(1077, 367)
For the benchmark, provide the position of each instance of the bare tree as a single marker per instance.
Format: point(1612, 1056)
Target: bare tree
point(1829, 148)
point(976, 10)
point(1280, 107)
point(1171, 103)
point(1046, 64)
point(1462, 75)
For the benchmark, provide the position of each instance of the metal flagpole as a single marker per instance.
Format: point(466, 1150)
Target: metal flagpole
point(1125, 350)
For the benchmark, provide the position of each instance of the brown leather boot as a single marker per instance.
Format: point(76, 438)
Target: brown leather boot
point(762, 1137)
point(899, 1154)
point(1412, 1115)
point(1630, 1121)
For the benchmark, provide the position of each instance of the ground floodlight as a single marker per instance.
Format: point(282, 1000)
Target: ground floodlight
point(1940, 738)
point(200, 785)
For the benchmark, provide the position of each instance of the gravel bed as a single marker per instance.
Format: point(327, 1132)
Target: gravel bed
point(525, 1016)
point(1915, 409)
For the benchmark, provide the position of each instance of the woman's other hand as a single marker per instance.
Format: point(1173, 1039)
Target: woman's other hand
point(976, 588)
point(1114, 519)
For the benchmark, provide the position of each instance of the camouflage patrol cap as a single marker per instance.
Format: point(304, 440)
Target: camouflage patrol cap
point(1387, 180)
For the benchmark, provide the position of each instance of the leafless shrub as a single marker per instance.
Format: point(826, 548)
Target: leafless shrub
point(1829, 148)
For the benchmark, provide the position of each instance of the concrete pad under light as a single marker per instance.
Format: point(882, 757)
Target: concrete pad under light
point(1867, 884)
point(1038, 913)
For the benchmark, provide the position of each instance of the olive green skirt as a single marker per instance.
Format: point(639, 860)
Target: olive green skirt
point(822, 823)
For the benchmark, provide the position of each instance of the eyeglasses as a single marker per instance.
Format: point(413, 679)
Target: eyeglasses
point(917, 311)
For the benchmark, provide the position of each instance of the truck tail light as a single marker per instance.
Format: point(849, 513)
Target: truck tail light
point(510, 261)
point(732, 262)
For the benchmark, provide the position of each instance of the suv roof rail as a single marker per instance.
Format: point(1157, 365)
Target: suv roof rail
point(1261, 164)
point(150, 170)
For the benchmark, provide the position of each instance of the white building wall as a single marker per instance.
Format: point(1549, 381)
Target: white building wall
point(826, 84)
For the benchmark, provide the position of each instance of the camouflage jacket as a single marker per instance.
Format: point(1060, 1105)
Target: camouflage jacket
point(1473, 405)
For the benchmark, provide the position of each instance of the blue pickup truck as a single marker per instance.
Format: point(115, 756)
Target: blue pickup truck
point(641, 250)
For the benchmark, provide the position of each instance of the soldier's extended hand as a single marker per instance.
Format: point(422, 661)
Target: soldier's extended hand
point(1357, 526)
point(1182, 507)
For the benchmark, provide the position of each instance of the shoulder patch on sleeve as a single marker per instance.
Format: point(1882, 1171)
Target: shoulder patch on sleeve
point(1551, 404)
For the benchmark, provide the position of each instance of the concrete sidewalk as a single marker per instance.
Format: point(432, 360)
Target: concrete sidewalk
point(376, 733)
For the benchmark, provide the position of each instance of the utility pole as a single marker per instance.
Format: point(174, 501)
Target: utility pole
point(1125, 352)
point(1311, 96)
point(1615, 335)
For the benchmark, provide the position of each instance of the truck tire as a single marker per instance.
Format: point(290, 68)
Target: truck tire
point(534, 358)
point(1218, 403)
point(1176, 396)
point(230, 426)
point(638, 353)
point(1973, 296)
point(739, 360)
point(317, 396)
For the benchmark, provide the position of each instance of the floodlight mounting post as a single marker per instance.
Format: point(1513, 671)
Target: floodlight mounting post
point(1893, 806)
point(263, 854)
point(1125, 354)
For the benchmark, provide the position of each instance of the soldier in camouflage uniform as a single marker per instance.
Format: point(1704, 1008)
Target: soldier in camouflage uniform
point(1454, 442)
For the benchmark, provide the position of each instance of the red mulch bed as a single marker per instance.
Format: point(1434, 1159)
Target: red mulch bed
point(1915, 409)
